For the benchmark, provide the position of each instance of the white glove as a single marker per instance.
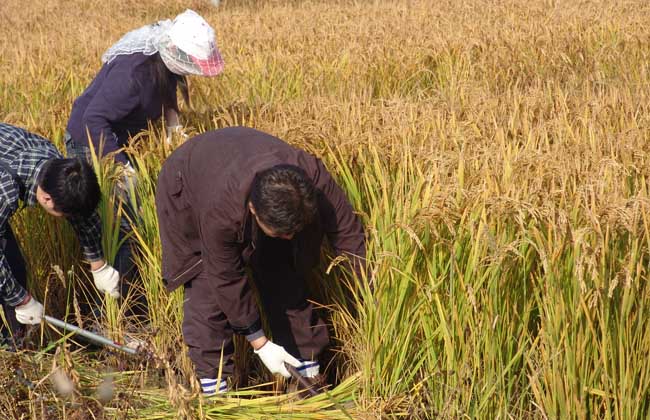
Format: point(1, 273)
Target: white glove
point(175, 129)
point(107, 280)
point(129, 179)
point(129, 171)
point(274, 356)
point(30, 312)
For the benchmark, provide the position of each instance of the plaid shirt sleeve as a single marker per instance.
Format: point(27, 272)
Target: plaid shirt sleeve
point(89, 232)
point(11, 292)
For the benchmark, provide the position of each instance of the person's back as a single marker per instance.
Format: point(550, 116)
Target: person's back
point(16, 144)
point(20, 155)
point(122, 99)
point(230, 158)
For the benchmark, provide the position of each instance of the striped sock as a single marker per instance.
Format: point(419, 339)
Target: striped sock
point(309, 368)
point(209, 386)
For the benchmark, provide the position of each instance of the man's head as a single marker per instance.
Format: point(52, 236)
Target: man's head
point(68, 187)
point(283, 200)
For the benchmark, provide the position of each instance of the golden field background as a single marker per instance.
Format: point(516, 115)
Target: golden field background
point(498, 154)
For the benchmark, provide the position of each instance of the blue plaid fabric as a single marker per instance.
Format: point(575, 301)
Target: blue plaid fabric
point(24, 154)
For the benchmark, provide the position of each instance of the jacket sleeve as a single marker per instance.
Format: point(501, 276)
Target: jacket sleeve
point(342, 226)
point(224, 265)
point(117, 97)
point(11, 292)
point(89, 233)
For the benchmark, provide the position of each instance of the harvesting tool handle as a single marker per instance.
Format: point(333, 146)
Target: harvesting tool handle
point(301, 379)
point(89, 335)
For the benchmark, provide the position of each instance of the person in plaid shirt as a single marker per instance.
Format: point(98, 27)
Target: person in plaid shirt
point(32, 170)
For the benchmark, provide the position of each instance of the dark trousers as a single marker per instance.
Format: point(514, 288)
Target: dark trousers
point(293, 321)
point(18, 269)
point(123, 263)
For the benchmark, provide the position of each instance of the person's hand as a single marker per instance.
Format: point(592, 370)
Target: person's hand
point(30, 311)
point(175, 130)
point(129, 179)
point(274, 357)
point(107, 280)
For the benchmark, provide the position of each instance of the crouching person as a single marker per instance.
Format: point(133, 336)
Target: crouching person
point(236, 198)
point(32, 170)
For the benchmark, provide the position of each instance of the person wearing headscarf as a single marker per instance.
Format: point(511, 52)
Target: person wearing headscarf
point(137, 85)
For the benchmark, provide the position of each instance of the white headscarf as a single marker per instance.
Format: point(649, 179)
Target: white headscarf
point(187, 45)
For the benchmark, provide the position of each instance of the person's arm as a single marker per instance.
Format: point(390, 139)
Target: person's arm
point(28, 309)
point(172, 122)
point(223, 264)
point(173, 125)
point(222, 259)
point(11, 292)
point(171, 119)
point(342, 226)
point(117, 97)
point(236, 300)
point(89, 233)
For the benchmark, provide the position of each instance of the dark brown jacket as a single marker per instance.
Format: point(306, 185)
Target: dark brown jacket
point(205, 223)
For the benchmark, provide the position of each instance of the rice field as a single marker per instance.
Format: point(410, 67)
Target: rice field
point(497, 152)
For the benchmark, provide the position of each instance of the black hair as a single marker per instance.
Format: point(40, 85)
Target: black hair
point(72, 184)
point(284, 199)
point(163, 79)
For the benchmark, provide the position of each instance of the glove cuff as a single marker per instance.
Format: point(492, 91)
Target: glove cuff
point(26, 300)
point(254, 336)
point(258, 351)
point(251, 329)
point(174, 129)
point(100, 268)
